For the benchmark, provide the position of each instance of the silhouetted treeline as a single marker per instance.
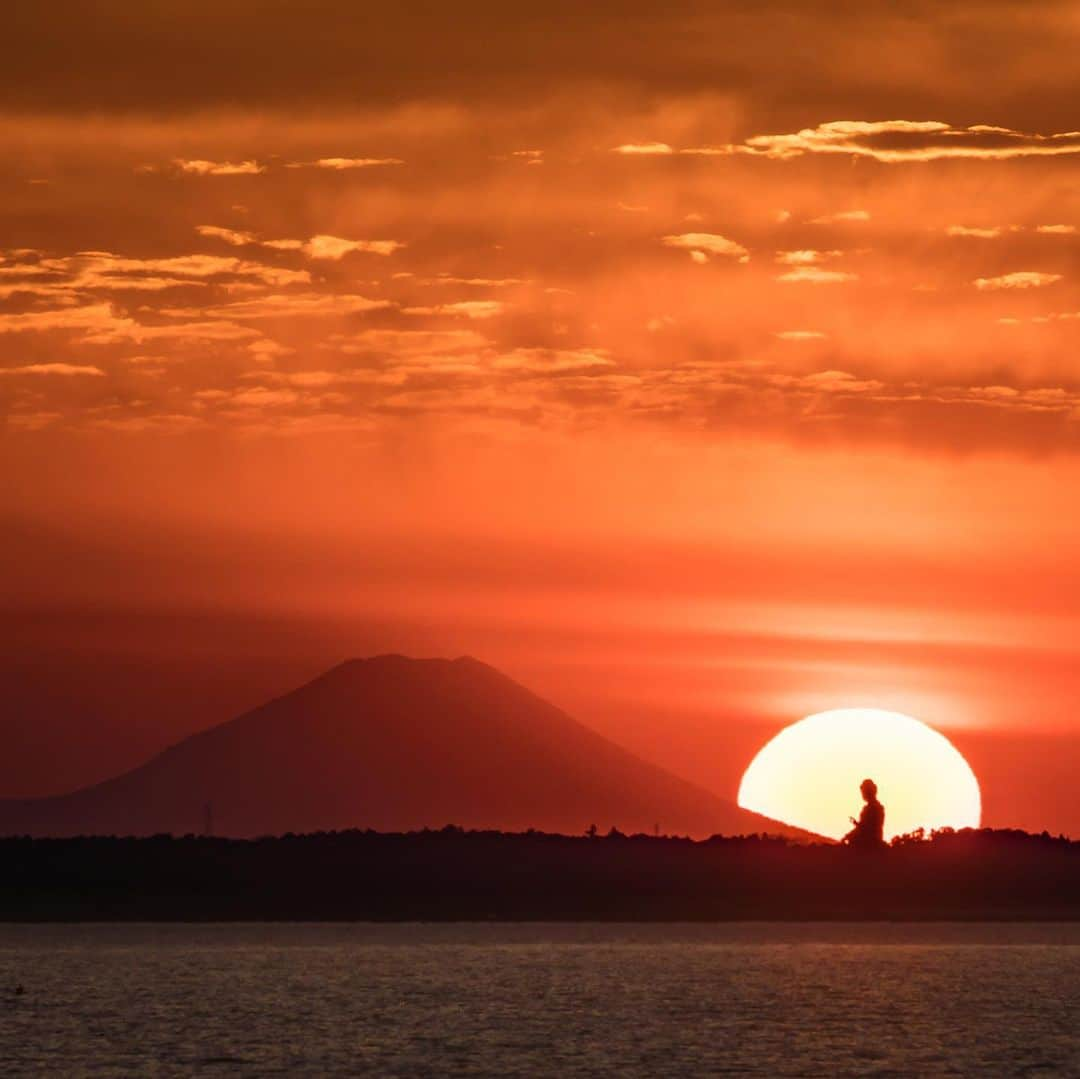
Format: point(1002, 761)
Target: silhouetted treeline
point(456, 875)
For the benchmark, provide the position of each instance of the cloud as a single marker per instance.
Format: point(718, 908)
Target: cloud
point(751, 392)
point(322, 246)
point(124, 329)
point(184, 265)
point(713, 151)
point(553, 360)
point(993, 231)
point(160, 423)
point(897, 141)
point(334, 247)
point(266, 351)
point(288, 305)
point(407, 342)
point(210, 329)
point(342, 163)
point(704, 244)
point(587, 388)
point(48, 277)
point(663, 149)
point(230, 236)
point(466, 308)
point(814, 276)
point(886, 141)
point(42, 268)
point(33, 421)
point(644, 149)
point(805, 257)
point(103, 270)
point(841, 217)
point(123, 282)
point(320, 378)
point(67, 369)
point(1018, 280)
point(978, 233)
point(478, 282)
point(262, 397)
point(199, 167)
point(89, 316)
point(839, 382)
point(54, 290)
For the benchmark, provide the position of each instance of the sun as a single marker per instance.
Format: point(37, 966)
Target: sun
point(808, 776)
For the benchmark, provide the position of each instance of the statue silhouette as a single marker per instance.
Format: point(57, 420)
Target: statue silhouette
point(869, 828)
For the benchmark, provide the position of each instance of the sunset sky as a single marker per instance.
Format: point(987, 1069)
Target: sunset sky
point(700, 366)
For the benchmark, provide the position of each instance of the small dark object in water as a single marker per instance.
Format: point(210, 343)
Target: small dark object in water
point(19, 990)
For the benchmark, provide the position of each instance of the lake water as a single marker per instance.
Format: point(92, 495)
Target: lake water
point(540, 1000)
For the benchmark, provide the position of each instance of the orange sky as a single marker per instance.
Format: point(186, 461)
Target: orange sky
point(701, 368)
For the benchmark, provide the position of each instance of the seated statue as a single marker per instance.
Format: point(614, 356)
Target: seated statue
point(868, 833)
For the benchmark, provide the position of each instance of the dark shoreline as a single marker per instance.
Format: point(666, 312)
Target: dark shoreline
point(455, 876)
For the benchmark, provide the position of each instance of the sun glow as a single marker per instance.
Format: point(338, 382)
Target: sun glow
point(808, 776)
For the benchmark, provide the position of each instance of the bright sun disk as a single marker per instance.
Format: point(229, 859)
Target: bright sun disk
point(808, 776)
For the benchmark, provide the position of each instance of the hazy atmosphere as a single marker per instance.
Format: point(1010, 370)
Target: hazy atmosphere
point(539, 539)
point(700, 371)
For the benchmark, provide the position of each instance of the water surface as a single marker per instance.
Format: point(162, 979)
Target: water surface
point(537, 999)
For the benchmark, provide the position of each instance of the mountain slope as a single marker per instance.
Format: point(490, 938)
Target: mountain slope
point(390, 743)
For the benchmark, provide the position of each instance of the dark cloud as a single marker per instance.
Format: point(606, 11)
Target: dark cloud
point(784, 60)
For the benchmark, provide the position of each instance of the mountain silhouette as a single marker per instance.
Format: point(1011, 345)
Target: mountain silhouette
point(392, 744)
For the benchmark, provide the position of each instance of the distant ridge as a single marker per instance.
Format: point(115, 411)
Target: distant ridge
point(390, 743)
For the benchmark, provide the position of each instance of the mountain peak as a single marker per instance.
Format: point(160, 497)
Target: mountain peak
point(391, 743)
point(398, 661)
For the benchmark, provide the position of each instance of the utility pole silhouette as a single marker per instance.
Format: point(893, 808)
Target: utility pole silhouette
point(208, 819)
